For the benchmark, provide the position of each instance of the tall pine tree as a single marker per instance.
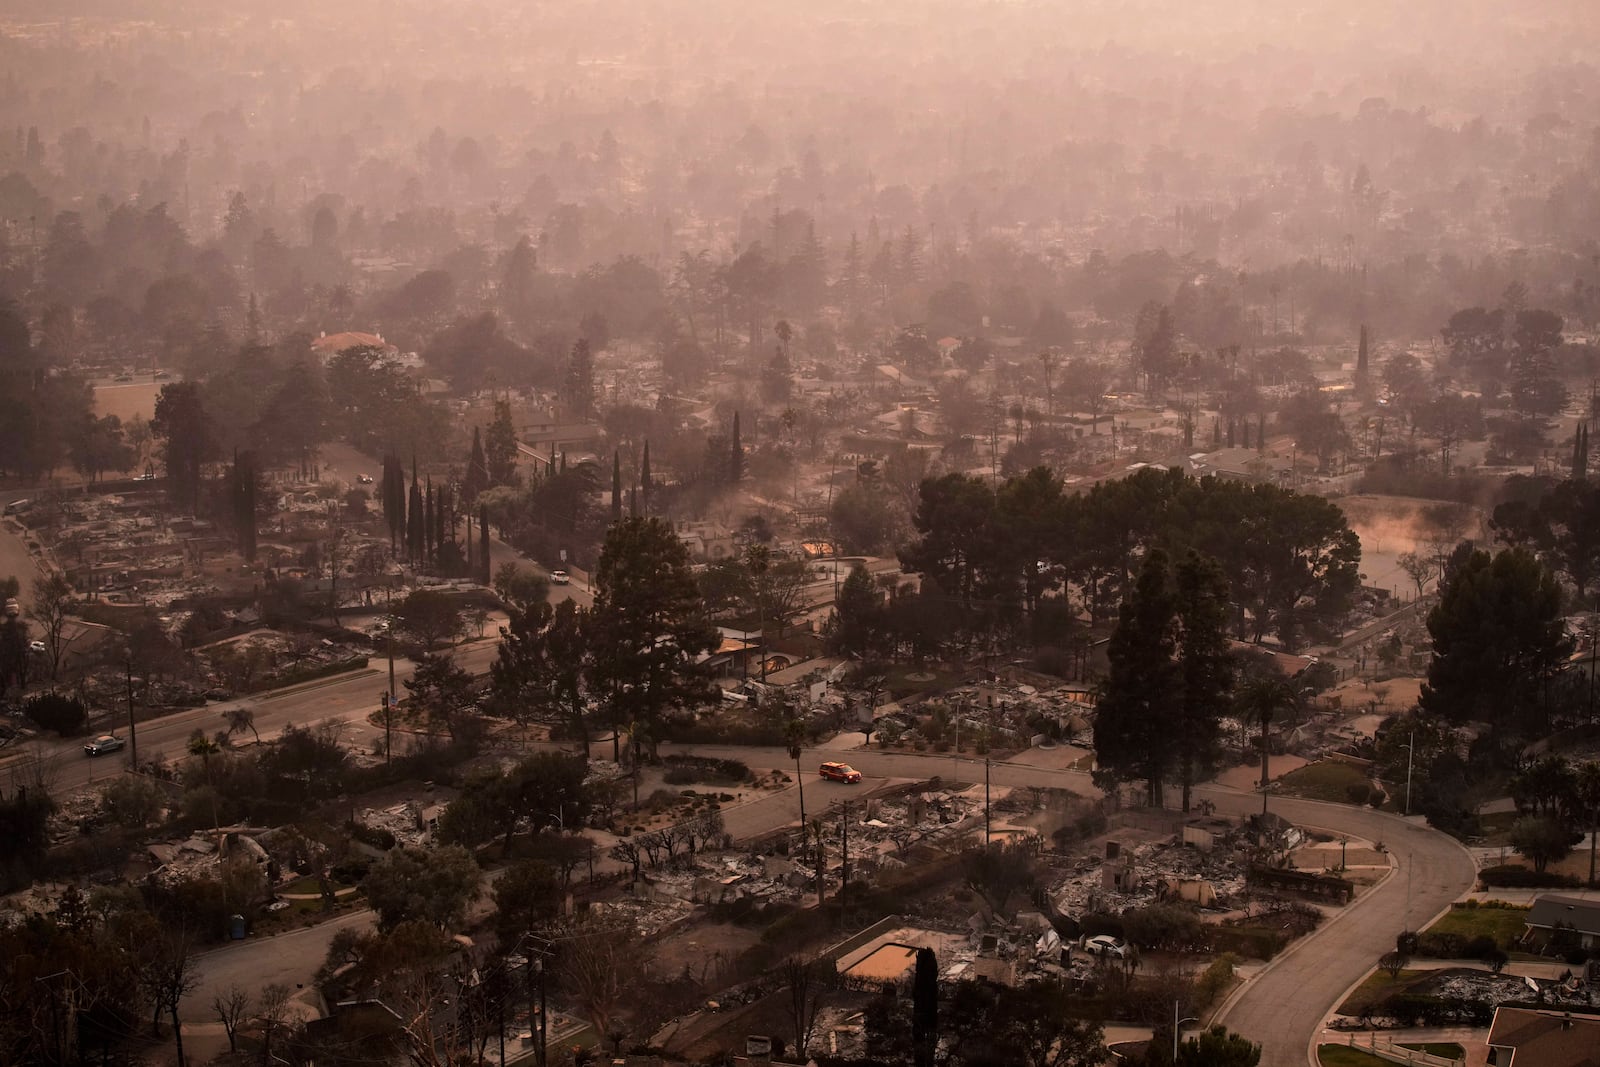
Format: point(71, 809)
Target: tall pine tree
point(414, 517)
point(616, 486)
point(477, 477)
point(644, 479)
point(500, 446)
point(577, 388)
point(1363, 378)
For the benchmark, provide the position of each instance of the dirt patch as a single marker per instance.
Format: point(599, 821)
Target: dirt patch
point(127, 400)
point(706, 950)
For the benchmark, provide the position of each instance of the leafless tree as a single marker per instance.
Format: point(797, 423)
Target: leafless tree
point(808, 983)
point(231, 1007)
point(166, 975)
point(239, 720)
point(272, 1016)
point(597, 966)
point(53, 597)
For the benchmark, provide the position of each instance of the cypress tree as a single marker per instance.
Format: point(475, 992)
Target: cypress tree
point(616, 486)
point(483, 544)
point(644, 478)
point(414, 527)
point(444, 519)
point(925, 1008)
point(736, 455)
point(477, 478)
point(1362, 380)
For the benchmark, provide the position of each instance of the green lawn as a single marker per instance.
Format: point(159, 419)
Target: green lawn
point(1328, 780)
point(1377, 986)
point(1505, 925)
point(1345, 1056)
point(1448, 1049)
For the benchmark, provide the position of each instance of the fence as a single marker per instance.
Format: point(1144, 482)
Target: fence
point(1388, 1050)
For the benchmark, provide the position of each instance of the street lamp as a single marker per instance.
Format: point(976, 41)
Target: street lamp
point(1411, 743)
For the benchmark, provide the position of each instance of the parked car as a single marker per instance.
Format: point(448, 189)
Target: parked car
point(839, 772)
point(1106, 945)
point(162, 376)
point(37, 648)
point(103, 744)
point(363, 479)
point(560, 577)
point(124, 377)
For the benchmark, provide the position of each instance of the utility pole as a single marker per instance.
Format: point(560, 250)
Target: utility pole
point(986, 798)
point(844, 859)
point(1594, 644)
point(388, 725)
point(1411, 751)
point(133, 739)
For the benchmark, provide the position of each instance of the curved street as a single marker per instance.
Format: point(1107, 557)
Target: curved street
point(1282, 1008)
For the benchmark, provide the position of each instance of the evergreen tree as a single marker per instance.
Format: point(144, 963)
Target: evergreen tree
point(649, 630)
point(444, 527)
point(243, 494)
point(1205, 665)
point(483, 545)
point(394, 499)
point(1132, 735)
point(736, 455)
point(925, 1008)
point(477, 477)
point(645, 484)
point(1497, 636)
point(616, 487)
point(414, 527)
point(1363, 379)
point(182, 422)
point(859, 619)
point(577, 388)
point(428, 527)
point(1580, 452)
point(500, 446)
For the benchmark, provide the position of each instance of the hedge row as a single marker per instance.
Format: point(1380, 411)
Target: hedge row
point(1512, 876)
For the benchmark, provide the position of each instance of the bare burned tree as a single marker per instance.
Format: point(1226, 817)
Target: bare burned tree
point(231, 1006)
point(808, 983)
point(597, 964)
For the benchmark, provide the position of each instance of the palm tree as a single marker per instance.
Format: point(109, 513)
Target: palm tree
point(1260, 699)
point(1589, 800)
point(794, 734)
point(205, 747)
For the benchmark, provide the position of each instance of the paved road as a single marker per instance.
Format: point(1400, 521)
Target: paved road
point(1285, 1006)
point(348, 697)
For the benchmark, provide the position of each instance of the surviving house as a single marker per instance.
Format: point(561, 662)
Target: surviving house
point(1555, 912)
point(1523, 1037)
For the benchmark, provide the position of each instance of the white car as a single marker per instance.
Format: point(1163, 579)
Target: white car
point(1106, 945)
point(37, 648)
point(559, 577)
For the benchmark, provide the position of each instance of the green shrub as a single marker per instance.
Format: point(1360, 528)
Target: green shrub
point(1358, 792)
point(63, 715)
point(373, 836)
point(1513, 876)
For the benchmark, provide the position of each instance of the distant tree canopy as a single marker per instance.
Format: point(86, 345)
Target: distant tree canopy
point(1497, 637)
point(1290, 560)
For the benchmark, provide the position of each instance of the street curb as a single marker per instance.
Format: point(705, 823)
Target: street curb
point(1222, 1009)
point(308, 687)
